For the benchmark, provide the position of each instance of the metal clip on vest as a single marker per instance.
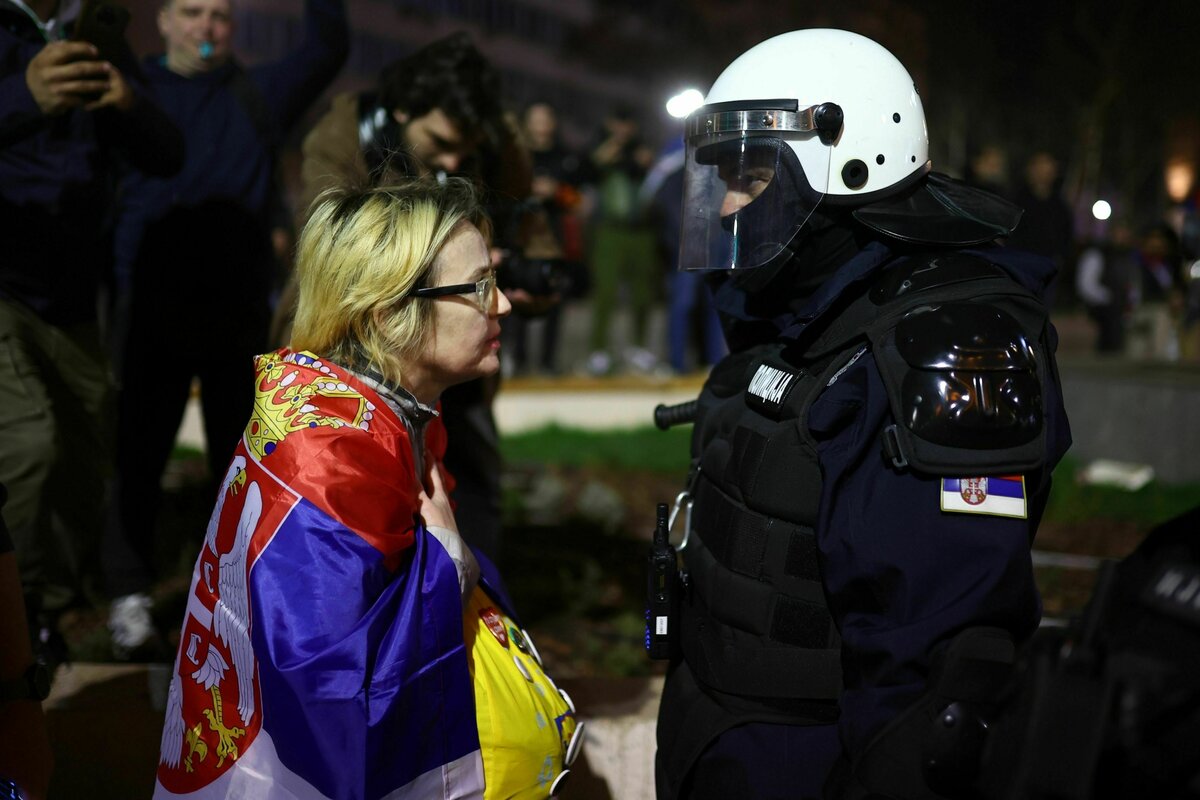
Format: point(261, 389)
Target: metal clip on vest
point(683, 501)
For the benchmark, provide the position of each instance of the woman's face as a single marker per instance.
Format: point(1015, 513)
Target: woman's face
point(465, 342)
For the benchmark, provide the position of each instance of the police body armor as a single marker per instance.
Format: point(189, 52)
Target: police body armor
point(756, 633)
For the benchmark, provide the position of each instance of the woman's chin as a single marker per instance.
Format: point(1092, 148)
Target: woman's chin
point(488, 366)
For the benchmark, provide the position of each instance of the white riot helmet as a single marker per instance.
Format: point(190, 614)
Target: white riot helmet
point(805, 117)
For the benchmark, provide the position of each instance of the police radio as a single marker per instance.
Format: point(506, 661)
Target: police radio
point(662, 591)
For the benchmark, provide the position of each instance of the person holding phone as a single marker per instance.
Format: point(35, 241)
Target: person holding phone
point(194, 251)
point(66, 114)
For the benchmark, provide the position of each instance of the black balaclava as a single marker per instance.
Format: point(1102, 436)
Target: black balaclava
point(749, 302)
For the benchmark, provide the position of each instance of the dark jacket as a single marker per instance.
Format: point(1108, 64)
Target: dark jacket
point(234, 122)
point(56, 178)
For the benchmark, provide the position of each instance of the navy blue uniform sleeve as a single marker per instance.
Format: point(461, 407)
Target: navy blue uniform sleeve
point(291, 84)
point(902, 575)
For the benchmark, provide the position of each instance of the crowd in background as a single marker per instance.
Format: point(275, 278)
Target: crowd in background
point(1137, 279)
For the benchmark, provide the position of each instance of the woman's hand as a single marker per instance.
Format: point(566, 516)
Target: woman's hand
point(439, 521)
point(435, 504)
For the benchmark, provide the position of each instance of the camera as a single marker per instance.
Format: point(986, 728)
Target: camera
point(538, 276)
point(532, 257)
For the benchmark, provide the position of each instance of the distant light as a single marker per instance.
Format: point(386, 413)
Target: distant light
point(685, 103)
point(1194, 271)
point(1101, 209)
point(1179, 177)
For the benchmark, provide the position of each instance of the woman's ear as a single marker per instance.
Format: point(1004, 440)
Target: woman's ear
point(381, 316)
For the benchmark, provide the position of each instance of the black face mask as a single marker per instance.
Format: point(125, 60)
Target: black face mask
point(813, 254)
point(751, 302)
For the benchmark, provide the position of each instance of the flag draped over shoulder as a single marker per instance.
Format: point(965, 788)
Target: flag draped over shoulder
point(322, 650)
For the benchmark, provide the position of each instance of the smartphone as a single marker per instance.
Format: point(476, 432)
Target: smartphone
point(103, 24)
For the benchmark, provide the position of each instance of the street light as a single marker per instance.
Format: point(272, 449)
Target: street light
point(685, 103)
point(1101, 210)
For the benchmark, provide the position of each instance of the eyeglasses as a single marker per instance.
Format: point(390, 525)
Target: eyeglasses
point(484, 289)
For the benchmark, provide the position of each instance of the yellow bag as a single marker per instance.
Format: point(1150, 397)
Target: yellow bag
point(526, 726)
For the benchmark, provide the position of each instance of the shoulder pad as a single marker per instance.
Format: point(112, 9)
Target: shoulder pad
point(964, 382)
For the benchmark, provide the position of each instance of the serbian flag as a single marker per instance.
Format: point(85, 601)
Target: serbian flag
point(322, 651)
point(1001, 496)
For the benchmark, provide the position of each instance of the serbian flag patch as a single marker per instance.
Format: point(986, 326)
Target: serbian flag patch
point(1001, 496)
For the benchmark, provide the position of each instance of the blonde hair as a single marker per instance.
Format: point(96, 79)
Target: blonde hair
point(360, 255)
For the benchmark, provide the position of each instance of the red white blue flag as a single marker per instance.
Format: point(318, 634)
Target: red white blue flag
point(1002, 496)
point(322, 650)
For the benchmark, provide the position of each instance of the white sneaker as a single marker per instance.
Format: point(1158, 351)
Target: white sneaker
point(130, 622)
point(599, 363)
point(641, 360)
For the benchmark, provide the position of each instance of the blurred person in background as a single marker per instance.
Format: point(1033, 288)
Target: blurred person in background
point(1046, 226)
point(690, 311)
point(554, 194)
point(1104, 277)
point(1189, 328)
point(68, 116)
point(1158, 299)
point(988, 169)
point(194, 255)
point(342, 639)
point(1189, 238)
point(621, 250)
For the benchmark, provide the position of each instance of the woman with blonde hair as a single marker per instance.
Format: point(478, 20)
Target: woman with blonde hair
point(341, 639)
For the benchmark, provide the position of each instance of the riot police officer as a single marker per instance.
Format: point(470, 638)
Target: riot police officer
point(871, 461)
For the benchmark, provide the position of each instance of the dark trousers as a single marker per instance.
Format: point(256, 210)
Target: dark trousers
point(1110, 327)
point(193, 314)
point(473, 458)
point(518, 332)
point(55, 452)
point(762, 761)
point(710, 748)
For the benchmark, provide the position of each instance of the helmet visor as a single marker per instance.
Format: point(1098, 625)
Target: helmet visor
point(745, 196)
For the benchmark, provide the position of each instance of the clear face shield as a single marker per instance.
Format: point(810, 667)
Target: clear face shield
point(745, 192)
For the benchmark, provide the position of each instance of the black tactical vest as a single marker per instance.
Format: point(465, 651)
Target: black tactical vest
point(754, 622)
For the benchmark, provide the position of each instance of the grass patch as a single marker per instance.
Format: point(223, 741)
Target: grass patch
point(649, 450)
point(643, 449)
point(1070, 501)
